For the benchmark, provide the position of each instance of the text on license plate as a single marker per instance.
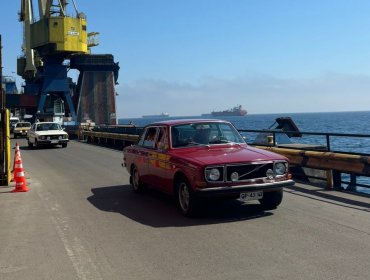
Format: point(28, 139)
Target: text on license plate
point(54, 141)
point(245, 196)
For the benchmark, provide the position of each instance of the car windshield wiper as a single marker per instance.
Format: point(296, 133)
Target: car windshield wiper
point(184, 144)
point(219, 141)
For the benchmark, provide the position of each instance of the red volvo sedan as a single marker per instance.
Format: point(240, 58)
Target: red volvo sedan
point(197, 159)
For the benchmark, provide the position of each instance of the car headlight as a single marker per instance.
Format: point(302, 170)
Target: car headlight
point(213, 174)
point(280, 168)
point(42, 137)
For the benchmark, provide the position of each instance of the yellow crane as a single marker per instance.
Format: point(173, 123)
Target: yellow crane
point(49, 39)
point(56, 40)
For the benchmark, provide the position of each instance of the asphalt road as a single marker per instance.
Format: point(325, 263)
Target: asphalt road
point(80, 220)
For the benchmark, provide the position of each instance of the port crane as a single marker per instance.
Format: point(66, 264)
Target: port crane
point(55, 39)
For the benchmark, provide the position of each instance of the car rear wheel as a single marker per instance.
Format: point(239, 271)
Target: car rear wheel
point(137, 185)
point(271, 200)
point(186, 198)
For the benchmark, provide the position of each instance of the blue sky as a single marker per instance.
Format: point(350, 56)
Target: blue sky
point(192, 57)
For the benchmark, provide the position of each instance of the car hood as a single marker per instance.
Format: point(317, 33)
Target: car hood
point(52, 132)
point(22, 128)
point(215, 155)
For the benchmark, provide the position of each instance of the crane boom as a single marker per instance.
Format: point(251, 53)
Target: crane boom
point(26, 65)
point(44, 5)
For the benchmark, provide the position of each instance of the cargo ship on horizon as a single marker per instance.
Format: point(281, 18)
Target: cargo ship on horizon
point(236, 111)
point(163, 115)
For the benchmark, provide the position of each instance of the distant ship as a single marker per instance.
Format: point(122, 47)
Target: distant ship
point(163, 115)
point(236, 111)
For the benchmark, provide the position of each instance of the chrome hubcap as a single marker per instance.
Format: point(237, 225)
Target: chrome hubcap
point(184, 196)
point(135, 179)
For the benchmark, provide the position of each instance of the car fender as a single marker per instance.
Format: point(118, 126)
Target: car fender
point(190, 172)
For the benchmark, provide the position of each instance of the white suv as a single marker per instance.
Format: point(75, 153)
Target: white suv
point(47, 133)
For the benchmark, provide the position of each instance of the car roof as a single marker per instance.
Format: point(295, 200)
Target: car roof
point(185, 121)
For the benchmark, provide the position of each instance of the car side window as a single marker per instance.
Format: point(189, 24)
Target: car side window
point(150, 137)
point(142, 137)
point(162, 140)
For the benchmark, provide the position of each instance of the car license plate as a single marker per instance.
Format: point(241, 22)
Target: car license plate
point(54, 141)
point(245, 196)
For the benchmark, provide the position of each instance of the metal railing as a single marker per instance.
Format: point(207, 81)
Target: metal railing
point(344, 167)
point(343, 150)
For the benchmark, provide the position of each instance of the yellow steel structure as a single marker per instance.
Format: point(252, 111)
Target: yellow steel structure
point(7, 144)
point(53, 31)
point(59, 35)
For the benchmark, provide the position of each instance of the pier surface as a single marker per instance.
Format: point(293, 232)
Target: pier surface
point(81, 220)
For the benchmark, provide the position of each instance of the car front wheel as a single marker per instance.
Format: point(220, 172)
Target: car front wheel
point(137, 185)
point(186, 198)
point(271, 200)
point(30, 144)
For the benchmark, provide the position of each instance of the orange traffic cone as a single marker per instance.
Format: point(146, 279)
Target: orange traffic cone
point(18, 167)
point(17, 161)
point(17, 151)
point(19, 178)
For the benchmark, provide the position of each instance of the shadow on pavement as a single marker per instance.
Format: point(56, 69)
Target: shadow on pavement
point(332, 197)
point(159, 210)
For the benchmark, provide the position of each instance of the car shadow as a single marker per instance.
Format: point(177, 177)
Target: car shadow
point(42, 147)
point(155, 209)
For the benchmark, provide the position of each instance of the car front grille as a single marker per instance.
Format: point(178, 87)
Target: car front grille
point(248, 171)
point(53, 137)
point(245, 172)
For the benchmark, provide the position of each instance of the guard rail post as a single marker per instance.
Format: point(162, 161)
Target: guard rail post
point(337, 179)
point(329, 179)
point(352, 184)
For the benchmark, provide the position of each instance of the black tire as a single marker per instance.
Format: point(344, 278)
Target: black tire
point(64, 145)
point(186, 199)
point(137, 185)
point(271, 200)
point(36, 144)
point(30, 144)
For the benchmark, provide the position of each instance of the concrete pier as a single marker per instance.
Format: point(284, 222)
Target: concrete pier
point(81, 220)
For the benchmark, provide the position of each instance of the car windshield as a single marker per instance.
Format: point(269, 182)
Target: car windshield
point(48, 126)
point(23, 124)
point(207, 133)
